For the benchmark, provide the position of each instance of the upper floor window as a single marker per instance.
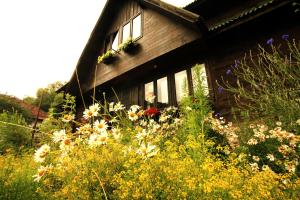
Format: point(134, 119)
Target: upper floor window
point(133, 29)
point(115, 43)
point(126, 32)
point(137, 27)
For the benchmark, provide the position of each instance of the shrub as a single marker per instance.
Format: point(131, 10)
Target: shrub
point(14, 132)
point(128, 155)
point(16, 177)
point(268, 84)
point(10, 105)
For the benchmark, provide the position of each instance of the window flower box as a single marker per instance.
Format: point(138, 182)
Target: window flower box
point(129, 46)
point(107, 58)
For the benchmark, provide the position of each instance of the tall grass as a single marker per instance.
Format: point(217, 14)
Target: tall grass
point(16, 177)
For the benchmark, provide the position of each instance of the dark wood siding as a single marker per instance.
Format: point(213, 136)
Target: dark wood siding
point(160, 36)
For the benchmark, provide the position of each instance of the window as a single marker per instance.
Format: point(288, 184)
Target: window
point(115, 43)
point(107, 44)
point(126, 32)
point(199, 76)
point(181, 85)
point(133, 29)
point(162, 90)
point(137, 27)
point(149, 92)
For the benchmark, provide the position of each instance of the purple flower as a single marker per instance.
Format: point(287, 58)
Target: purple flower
point(228, 72)
point(220, 89)
point(236, 63)
point(285, 36)
point(270, 41)
point(217, 114)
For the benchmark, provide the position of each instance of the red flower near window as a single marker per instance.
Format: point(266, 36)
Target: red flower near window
point(152, 112)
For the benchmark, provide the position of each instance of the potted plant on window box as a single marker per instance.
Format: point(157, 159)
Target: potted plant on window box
point(107, 58)
point(129, 46)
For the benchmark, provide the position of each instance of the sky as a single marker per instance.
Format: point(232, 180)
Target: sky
point(42, 40)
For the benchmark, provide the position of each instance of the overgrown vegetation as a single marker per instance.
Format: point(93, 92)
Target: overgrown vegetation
point(13, 134)
point(48, 95)
point(174, 153)
point(10, 104)
point(268, 85)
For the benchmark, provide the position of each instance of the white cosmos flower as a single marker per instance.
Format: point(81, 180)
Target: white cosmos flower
point(68, 118)
point(100, 126)
point(142, 135)
point(85, 129)
point(66, 144)
point(255, 158)
point(271, 157)
point(132, 116)
point(119, 106)
point(143, 123)
point(92, 111)
point(87, 114)
point(150, 97)
point(41, 172)
point(254, 166)
point(41, 153)
point(116, 132)
point(111, 107)
point(164, 118)
point(98, 139)
point(134, 108)
point(252, 141)
point(147, 151)
point(94, 108)
point(58, 136)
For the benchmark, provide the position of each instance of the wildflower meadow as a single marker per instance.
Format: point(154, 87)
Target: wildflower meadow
point(184, 152)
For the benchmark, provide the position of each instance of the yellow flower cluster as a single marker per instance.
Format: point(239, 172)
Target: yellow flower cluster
point(134, 156)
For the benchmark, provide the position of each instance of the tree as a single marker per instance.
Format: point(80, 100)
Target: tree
point(48, 96)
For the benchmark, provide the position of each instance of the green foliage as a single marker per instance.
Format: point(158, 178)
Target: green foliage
point(196, 107)
point(48, 95)
point(13, 132)
point(107, 57)
point(16, 178)
point(54, 121)
point(268, 84)
point(128, 45)
point(11, 105)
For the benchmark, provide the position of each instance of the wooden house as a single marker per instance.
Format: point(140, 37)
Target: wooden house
point(211, 33)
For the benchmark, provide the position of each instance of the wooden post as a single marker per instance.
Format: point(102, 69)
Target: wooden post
point(36, 120)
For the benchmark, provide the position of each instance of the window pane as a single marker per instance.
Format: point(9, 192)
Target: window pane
point(149, 92)
point(181, 83)
point(199, 76)
point(115, 43)
point(137, 25)
point(162, 90)
point(126, 32)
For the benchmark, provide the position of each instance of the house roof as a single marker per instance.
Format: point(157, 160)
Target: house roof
point(97, 34)
point(209, 15)
point(254, 10)
point(232, 12)
point(33, 110)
